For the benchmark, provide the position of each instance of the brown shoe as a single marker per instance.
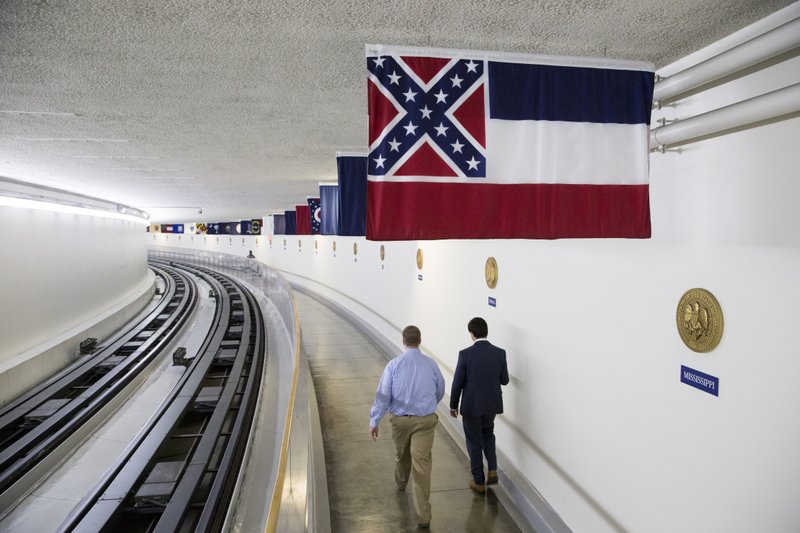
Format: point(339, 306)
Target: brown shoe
point(491, 479)
point(480, 489)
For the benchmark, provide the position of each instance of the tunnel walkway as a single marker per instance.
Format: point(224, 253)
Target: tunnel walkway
point(345, 367)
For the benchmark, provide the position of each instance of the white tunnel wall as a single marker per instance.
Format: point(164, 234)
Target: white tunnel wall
point(62, 273)
point(596, 416)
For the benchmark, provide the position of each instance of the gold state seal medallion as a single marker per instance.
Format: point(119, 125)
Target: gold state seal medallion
point(699, 320)
point(490, 271)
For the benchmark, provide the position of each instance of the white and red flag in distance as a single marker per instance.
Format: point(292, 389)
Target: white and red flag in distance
point(480, 145)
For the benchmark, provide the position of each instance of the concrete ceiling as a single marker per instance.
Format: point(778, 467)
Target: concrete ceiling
point(238, 107)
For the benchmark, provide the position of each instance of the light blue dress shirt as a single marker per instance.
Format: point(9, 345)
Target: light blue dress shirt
point(411, 384)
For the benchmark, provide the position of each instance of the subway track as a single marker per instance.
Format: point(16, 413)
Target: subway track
point(180, 471)
point(36, 425)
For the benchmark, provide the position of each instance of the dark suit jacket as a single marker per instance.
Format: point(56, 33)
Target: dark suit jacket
point(480, 371)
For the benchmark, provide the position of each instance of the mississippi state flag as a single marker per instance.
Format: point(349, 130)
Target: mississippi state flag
point(481, 145)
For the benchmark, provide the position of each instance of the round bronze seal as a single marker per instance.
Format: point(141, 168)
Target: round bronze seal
point(355, 248)
point(699, 320)
point(419, 258)
point(383, 252)
point(491, 272)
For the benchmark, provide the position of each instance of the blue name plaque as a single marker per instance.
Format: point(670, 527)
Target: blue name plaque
point(699, 380)
point(492, 302)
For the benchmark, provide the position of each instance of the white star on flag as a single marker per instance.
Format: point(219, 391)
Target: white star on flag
point(409, 95)
point(394, 145)
point(379, 62)
point(456, 81)
point(394, 78)
point(379, 161)
point(473, 164)
point(441, 129)
point(410, 128)
point(457, 146)
point(471, 66)
point(426, 113)
point(440, 96)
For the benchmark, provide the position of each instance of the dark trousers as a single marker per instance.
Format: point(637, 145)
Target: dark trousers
point(479, 431)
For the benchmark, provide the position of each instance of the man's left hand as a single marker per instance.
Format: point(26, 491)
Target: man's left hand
point(373, 432)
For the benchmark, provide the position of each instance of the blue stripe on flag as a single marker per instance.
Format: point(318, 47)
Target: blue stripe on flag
point(571, 94)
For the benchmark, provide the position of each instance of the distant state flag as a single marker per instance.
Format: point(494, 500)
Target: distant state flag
point(481, 145)
point(329, 204)
point(255, 226)
point(290, 220)
point(315, 212)
point(201, 228)
point(279, 224)
point(171, 228)
point(352, 169)
point(244, 226)
point(303, 219)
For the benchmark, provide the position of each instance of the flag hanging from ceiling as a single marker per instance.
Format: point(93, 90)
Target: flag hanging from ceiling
point(255, 226)
point(279, 224)
point(244, 226)
point(315, 213)
point(479, 145)
point(290, 222)
point(303, 219)
point(352, 170)
point(329, 205)
point(171, 228)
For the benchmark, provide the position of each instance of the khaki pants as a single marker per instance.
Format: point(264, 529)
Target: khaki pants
point(413, 439)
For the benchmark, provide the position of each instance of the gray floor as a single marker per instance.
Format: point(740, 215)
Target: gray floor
point(345, 368)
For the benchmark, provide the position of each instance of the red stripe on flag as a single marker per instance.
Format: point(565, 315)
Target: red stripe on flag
point(414, 210)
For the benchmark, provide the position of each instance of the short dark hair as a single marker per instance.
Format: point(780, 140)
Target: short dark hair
point(478, 327)
point(412, 336)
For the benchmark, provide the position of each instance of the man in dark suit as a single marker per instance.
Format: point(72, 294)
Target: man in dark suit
point(480, 372)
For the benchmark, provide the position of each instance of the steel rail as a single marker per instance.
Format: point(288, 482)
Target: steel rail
point(40, 422)
point(200, 446)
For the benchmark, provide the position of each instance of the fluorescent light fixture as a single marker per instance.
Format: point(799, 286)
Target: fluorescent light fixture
point(38, 113)
point(142, 169)
point(113, 156)
point(71, 139)
point(15, 193)
point(72, 209)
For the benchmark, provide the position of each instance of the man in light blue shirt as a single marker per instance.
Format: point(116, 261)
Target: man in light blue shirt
point(410, 388)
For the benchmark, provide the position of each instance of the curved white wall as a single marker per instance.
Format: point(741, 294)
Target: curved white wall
point(596, 416)
point(60, 271)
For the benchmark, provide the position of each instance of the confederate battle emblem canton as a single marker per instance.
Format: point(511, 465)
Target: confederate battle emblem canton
point(699, 320)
